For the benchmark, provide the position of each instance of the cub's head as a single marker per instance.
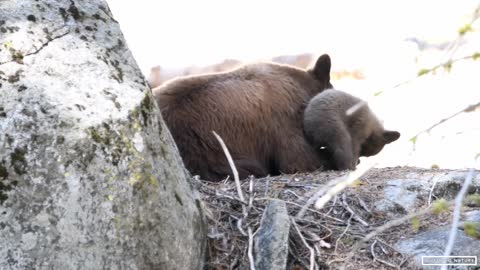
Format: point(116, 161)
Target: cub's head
point(321, 71)
point(377, 140)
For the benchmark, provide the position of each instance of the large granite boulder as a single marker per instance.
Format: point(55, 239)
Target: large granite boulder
point(89, 175)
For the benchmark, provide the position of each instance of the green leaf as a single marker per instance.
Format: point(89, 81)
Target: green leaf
point(448, 66)
point(465, 29)
point(413, 139)
point(423, 72)
point(415, 224)
point(378, 93)
point(476, 56)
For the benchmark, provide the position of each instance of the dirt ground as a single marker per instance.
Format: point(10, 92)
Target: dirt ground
point(335, 232)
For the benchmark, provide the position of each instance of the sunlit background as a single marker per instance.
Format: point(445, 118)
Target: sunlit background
point(374, 46)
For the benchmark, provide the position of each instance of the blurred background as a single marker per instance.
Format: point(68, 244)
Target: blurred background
point(378, 49)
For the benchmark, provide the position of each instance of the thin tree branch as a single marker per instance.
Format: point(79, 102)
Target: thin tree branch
point(456, 215)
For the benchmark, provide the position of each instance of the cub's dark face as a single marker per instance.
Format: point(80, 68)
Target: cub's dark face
point(375, 142)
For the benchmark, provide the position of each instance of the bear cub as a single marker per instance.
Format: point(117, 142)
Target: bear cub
point(340, 137)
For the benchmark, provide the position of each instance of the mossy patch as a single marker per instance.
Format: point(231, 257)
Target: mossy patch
point(146, 108)
point(3, 192)
point(17, 56)
point(114, 144)
point(60, 139)
point(144, 111)
point(178, 198)
point(63, 13)
point(31, 18)
point(16, 77)
point(74, 12)
point(98, 17)
point(19, 161)
point(3, 171)
point(5, 184)
point(96, 137)
point(118, 76)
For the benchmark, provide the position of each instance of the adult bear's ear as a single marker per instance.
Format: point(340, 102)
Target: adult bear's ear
point(321, 70)
point(390, 136)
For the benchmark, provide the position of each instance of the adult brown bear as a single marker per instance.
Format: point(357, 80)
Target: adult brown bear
point(257, 109)
point(343, 137)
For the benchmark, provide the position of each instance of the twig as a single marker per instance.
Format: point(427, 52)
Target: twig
point(250, 193)
point(469, 108)
point(384, 227)
point(395, 222)
point(342, 234)
point(375, 258)
point(363, 204)
point(313, 265)
point(354, 215)
point(333, 205)
point(242, 199)
point(420, 74)
point(456, 43)
point(431, 191)
point(232, 166)
point(349, 179)
point(267, 186)
point(220, 194)
point(394, 249)
point(239, 227)
point(314, 237)
point(250, 249)
point(293, 193)
point(456, 215)
point(315, 197)
point(311, 210)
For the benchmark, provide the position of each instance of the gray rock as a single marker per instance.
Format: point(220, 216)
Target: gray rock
point(448, 185)
point(400, 196)
point(271, 243)
point(404, 195)
point(89, 175)
point(433, 243)
point(472, 216)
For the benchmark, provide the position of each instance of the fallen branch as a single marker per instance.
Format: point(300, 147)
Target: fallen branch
point(242, 199)
point(250, 249)
point(232, 166)
point(354, 215)
point(313, 265)
point(342, 234)
point(317, 195)
point(375, 258)
point(351, 177)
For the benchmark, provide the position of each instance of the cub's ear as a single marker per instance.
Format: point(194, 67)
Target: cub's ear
point(321, 70)
point(390, 136)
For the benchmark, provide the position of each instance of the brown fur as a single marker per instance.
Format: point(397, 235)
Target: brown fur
point(257, 109)
point(343, 138)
